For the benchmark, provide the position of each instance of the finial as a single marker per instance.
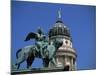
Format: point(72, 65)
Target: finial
point(59, 13)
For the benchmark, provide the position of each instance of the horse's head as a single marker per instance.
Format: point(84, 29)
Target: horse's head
point(57, 43)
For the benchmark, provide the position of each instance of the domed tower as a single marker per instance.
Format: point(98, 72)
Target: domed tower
point(65, 55)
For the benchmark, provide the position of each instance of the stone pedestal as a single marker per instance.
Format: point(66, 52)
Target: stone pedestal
point(38, 70)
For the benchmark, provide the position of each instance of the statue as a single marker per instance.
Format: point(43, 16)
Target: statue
point(43, 48)
point(39, 40)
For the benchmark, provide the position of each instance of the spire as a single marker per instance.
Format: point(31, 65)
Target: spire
point(59, 13)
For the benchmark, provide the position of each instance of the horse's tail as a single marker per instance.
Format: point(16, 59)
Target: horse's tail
point(17, 53)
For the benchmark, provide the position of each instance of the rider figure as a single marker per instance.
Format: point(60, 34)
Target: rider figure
point(40, 42)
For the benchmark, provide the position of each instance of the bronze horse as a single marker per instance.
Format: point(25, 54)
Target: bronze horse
point(29, 53)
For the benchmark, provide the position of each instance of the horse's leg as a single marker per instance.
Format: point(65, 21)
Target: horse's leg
point(30, 60)
point(19, 61)
point(18, 66)
point(53, 62)
point(45, 62)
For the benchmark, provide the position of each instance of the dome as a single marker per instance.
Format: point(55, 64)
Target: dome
point(59, 29)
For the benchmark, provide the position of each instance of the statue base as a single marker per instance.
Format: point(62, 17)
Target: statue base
point(36, 70)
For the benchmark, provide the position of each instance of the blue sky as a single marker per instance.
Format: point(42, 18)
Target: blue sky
point(80, 19)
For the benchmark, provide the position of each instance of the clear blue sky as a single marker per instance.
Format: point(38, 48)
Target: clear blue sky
point(81, 20)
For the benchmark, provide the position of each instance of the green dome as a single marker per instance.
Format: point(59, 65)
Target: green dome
point(59, 29)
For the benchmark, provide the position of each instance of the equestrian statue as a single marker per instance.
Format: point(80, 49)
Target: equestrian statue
point(43, 48)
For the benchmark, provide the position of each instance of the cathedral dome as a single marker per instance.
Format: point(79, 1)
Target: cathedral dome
point(59, 29)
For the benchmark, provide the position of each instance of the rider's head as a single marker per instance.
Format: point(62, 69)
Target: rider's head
point(39, 31)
